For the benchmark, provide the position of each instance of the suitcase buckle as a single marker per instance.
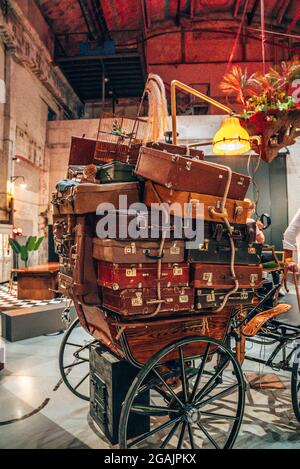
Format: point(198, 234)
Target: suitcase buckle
point(208, 277)
point(138, 300)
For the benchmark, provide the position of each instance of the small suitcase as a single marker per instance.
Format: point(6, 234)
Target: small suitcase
point(211, 251)
point(85, 198)
point(218, 276)
point(186, 174)
point(137, 252)
point(237, 210)
point(122, 276)
point(208, 298)
point(137, 302)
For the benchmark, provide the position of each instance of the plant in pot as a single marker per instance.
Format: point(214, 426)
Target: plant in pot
point(32, 244)
point(269, 109)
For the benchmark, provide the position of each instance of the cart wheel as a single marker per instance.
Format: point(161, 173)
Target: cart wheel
point(203, 410)
point(74, 360)
point(295, 385)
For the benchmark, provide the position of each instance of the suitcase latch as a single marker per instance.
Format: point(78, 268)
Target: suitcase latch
point(253, 279)
point(188, 166)
point(208, 277)
point(204, 246)
point(130, 249)
point(177, 271)
point(244, 295)
point(138, 300)
point(211, 297)
point(251, 250)
point(175, 250)
point(130, 273)
point(183, 299)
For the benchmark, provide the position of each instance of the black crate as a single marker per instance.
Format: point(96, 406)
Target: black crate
point(110, 379)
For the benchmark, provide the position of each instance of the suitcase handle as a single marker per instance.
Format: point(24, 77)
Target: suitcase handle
point(152, 256)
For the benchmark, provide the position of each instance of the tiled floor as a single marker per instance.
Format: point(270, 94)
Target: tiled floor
point(37, 411)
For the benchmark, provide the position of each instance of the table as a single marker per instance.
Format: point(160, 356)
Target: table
point(37, 282)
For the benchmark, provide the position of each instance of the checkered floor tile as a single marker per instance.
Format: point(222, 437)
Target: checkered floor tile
point(9, 299)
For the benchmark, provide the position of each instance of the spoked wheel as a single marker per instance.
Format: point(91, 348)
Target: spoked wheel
point(203, 409)
point(295, 385)
point(74, 360)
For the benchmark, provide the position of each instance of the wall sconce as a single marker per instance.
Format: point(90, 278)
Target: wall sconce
point(13, 179)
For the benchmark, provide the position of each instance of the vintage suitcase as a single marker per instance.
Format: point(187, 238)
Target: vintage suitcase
point(122, 276)
point(177, 149)
point(110, 380)
point(208, 298)
point(137, 252)
point(237, 210)
point(85, 198)
point(211, 251)
point(143, 339)
point(85, 286)
point(138, 302)
point(134, 224)
point(82, 151)
point(186, 174)
point(218, 276)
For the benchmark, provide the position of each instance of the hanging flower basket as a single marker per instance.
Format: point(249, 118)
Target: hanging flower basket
point(277, 130)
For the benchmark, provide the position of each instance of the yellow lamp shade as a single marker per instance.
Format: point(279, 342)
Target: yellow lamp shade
point(231, 138)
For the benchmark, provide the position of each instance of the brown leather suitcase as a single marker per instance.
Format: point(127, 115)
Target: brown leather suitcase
point(137, 252)
point(85, 198)
point(85, 287)
point(237, 210)
point(82, 151)
point(218, 276)
point(186, 174)
point(143, 339)
point(134, 224)
point(208, 298)
point(122, 276)
point(143, 302)
point(177, 149)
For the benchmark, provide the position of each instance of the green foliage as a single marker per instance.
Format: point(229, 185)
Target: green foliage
point(32, 243)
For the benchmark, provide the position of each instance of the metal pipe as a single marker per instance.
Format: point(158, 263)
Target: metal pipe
point(178, 84)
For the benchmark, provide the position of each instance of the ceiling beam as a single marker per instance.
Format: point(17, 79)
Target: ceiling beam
point(282, 11)
point(250, 15)
point(294, 21)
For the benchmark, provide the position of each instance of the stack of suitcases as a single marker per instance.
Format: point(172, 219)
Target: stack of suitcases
point(136, 279)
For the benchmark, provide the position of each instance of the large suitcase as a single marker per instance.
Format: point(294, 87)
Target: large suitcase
point(186, 174)
point(134, 224)
point(143, 302)
point(237, 210)
point(85, 198)
point(207, 298)
point(218, 276)
point(211, 251)
point(137, 252)
point(143, 339)
point(122, 276)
